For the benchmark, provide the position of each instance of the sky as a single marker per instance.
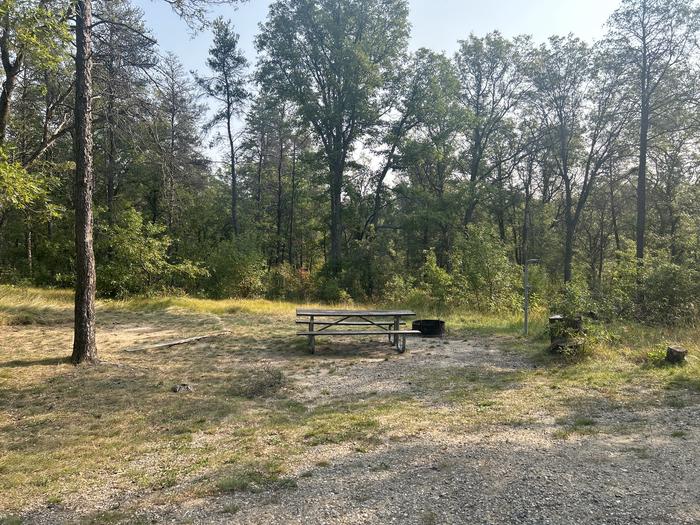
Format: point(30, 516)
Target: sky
point(436, 24)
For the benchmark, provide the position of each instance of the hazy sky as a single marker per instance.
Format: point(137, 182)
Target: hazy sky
point(437, 24)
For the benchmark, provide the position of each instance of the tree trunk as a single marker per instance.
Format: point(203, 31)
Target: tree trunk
point(642, 180)
point(335, 255)
point(234, 197)
point(234, 176)
point(570, 226)
point(613, 217)
point(7, 89)
point(30, 257)
point(258, 188)
point(279, 255)
point(84, 344)
point(292, 199)
point(11, 70)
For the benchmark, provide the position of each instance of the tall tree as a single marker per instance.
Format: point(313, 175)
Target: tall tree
point(331, 58)
point(173, 127)
point(124, 54)
point(491, 87)
point(653, 39)
point(581, 108)
point(430, 154)
point(30, 29)
point(227, 87)
point(84, 343)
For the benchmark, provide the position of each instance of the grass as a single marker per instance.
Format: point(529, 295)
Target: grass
point(76, 435)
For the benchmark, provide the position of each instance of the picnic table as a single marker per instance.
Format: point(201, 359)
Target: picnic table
point(355, 323)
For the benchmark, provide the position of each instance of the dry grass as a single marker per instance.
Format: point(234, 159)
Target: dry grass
point(88, 437)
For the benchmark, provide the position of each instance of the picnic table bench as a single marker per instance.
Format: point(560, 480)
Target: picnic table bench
point(368, 322)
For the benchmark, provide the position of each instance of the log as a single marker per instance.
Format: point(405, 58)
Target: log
point(178, 342)
point(676, 354)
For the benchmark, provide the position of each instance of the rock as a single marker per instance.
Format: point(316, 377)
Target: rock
point(182, 387)
point(676, 354)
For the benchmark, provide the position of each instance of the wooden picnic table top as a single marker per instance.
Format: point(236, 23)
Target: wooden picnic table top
point(352, 313)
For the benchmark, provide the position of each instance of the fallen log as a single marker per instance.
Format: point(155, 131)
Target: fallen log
point(178, 342)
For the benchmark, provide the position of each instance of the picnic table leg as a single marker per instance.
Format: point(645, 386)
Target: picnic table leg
point(397, 327)
point(312, 339)
point(402, 348)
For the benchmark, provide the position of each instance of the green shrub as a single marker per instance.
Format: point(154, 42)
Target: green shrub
point(329, 290)
point(436, 283)
point(485, 278)
point(397, 290)
point(572, 300)
point(237, 269)
point(132, 258)
point(669, 293)
point(660, 292)
point(288, 283)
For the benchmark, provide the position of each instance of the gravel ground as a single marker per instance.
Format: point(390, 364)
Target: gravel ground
point(494, 475)
point(498, 474)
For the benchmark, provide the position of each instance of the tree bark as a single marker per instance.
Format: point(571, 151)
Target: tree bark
point(234, 176)
point(336, 254)
point(642, 179)
point(11, 70)
point(292, 199)
point(279, 255)
point(645, 116)
point(570, 227)
point(30, 257)
point(84, 344)
point(613, 217)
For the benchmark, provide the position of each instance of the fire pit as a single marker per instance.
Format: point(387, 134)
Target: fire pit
point(430, 327)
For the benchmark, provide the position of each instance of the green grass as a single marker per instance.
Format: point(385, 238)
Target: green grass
point(10, 520)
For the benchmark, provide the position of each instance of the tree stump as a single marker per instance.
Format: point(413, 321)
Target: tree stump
point(565, 334)
point(676, 355)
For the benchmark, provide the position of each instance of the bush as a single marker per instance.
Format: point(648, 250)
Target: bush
point(662, 293)
point(573, 299)
point(288, 283)
point(435, 282)
point(237, 269)
point(485, 277)
point(133, 259)
point(397, 290)
point(670, 293)
point(328, 290)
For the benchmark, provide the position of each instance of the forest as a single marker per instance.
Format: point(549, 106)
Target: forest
point(355, 169)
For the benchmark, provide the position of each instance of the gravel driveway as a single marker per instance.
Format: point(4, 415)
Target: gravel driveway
point(505, 473)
